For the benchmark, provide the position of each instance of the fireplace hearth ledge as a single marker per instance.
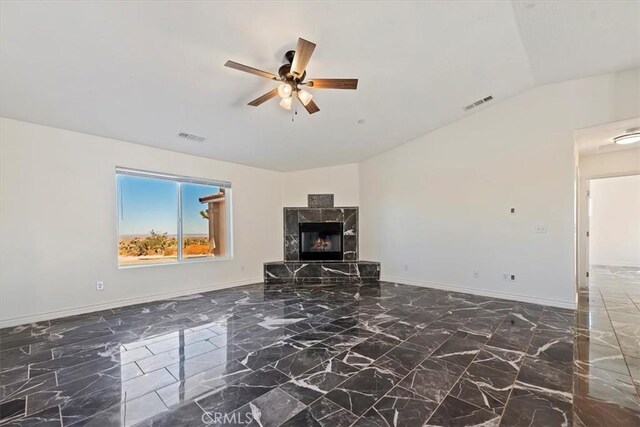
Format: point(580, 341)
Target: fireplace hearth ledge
point(321, 272)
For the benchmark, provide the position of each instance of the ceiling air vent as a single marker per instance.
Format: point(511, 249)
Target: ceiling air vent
point(191, 137)
point(478, 103)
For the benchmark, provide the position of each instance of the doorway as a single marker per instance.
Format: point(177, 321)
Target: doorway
point(613, 243)
point(599, 158)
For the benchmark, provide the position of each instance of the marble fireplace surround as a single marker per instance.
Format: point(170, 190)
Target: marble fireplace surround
point(292, 270)
point(320, 209)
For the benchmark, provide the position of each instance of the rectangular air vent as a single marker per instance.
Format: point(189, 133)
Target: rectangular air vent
point(478, 103)
point(191, 137)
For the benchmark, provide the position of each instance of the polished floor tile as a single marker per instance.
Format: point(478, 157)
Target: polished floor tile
point(361, 354)
point(606, 345)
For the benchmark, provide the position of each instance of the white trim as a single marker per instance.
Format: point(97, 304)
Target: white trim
point(171, 177)
point(184, 261)
point(180, 235)
point(475, 291)
point(15, 321)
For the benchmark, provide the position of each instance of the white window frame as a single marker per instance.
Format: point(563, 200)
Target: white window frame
point(180, 179)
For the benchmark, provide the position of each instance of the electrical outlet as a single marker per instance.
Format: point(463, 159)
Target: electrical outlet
point(99, 286)
point(476, 274)
point(508, 277)
point(541, 229)
point(505, 276)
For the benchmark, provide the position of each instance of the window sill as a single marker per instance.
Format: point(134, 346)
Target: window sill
point(183, 262)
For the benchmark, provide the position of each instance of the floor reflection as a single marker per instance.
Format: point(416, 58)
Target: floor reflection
point(367, 353)
point(607, 348)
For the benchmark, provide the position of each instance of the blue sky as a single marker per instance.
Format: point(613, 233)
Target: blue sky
point(147, 204)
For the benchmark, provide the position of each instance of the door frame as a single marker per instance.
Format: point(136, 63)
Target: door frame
point(582, 244)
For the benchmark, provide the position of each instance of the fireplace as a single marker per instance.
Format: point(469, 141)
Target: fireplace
point(320, 246)
point(320, 241)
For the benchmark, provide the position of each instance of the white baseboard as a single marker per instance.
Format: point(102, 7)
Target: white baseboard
point(15, 321)
point(31, 318)
point(492, 294)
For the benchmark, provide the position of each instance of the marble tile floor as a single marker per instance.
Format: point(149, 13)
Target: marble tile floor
point(360, 354)
point(607, 348)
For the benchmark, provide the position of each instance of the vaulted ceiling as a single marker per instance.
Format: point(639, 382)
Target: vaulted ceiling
point(144, 71)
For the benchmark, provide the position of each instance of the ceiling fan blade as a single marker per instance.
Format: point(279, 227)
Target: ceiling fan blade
point(333, 83)
point(264, 98)
point(250, 70)
point(304, 49)
point(311, 107)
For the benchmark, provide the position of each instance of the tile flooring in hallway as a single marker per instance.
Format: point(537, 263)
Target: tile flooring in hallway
point(362, 354)
point(607, 348)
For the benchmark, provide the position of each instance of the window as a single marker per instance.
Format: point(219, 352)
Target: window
point(166, 218)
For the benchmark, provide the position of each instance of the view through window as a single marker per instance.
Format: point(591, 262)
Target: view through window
point(166, 218)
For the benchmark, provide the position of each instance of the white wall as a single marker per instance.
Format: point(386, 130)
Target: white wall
point(433, 210)
point(623, 162)
point(58, 223)
point(342, 181)
point(437, 208)
point(615, 221)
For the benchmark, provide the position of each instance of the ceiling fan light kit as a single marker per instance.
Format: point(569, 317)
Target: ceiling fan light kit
point(286, 103)
point(285, 90)
point(304, 96)
point(292, 75)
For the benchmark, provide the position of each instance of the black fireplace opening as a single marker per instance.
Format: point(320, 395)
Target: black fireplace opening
point(321, 241)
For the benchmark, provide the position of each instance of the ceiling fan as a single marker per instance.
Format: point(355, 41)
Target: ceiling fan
point(292, 75)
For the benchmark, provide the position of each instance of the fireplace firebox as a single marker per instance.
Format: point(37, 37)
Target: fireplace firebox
point(321, 241)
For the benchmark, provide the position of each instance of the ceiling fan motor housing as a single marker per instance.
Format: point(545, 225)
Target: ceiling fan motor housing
point(285, 71)
point(289, 56)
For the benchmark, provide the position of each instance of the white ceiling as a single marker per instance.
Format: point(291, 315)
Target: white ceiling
point(144, 71)
point(570, 39)
point(599, 139)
